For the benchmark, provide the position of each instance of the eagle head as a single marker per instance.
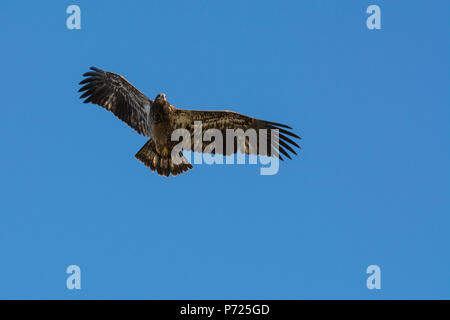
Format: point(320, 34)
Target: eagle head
point(161, 97)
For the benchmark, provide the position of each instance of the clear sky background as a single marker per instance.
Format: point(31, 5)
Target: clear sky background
point(371, 185)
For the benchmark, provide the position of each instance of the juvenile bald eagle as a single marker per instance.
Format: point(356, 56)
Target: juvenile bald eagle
point(157, 119)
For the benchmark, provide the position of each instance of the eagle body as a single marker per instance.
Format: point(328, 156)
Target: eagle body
point(157, 119)
point(161, 125)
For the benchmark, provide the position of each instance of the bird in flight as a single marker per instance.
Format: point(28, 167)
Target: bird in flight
point(157, 119)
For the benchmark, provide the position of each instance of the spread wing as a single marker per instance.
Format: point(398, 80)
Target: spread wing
point(223, 120)
point(114, 93)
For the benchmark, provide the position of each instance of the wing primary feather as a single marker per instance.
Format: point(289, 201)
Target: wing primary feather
point(277, 124)
point(87, 93)
point(282, 136)
point(285, 132)
point(85, 87)
point(284, 152)
point(285, 145)
point(90, 73)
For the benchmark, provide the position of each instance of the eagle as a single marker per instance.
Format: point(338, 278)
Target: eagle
point(157, 119)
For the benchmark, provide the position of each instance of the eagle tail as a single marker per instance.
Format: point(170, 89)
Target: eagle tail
point(162, 164)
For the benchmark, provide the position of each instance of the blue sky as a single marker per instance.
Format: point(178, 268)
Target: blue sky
point(371, 185)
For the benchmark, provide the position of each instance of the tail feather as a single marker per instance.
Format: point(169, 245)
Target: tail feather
point(163, 165)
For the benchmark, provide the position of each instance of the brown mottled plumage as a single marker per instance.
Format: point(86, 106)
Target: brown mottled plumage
point(157, 119)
